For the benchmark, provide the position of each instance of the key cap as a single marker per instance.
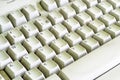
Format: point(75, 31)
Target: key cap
point(61, 2)
point(33, 74)
point(104, 6)
point(30, 61)
point(77, 51)
point(15, 69)
point(53, 77)
point(67, 11)
point(30, 12)
point(113, 30)
point(49, 67)
point(71, 24)
point(59, 30)
point(48, 5)
point(111, 75)
point(29, 29)
point(17, 51)
point(94, 64)
point(32, 44)
point(115, 3)
point(83, 18)
point(55, 17)
point(90, 44)
point(17, 18)
point(4, 44)
point(5, 24)
point(96, 25)
point(63, 59)
point(3, 75)
point(72, 38)
point(108, 19)
point(42, 23)
point(79, 6)
point(102, 37)
point(45, 53)
point(59, 45)
point(116, 13)
point(18, 78)
point(4, 59)
point(85, 32)
point(90, 3)
point(15, 36)
point(46, 37)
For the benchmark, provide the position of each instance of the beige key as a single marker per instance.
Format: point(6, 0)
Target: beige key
point(18, 78)
point(33, 74)
point(102, 37)
point(116, 13)
point(29, 29)
point(30, 60)
point(115, 3)
point(90, 44)
point(71, 24)
point(4, 59)
point(77, 51)
point(85, 32)
point(4, 44)
point(72, 38)
point(53, 77)
point(96, 25)
point(59, 45)
point(31, 44)
point(63, 59)
point(61, 2)
point(17, 18)
point(91, 3)
point(15, 36)
point(45, 53)
point(46, 37)
point(15, 69)
point(30, 12)
point(5, 24)
point(17, 51)
point(49, 67)
point(59, 30)
point(3, 75)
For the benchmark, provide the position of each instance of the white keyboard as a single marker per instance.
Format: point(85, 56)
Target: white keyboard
point(59, 39)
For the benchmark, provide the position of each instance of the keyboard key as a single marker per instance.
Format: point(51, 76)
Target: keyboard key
point(15, 36)
point(49, 67)
point(91, 3)
point(17, 18)
point(46, 37)
point(4, 59)
point(105, 6)
point(113, 30)
point(67, 11)
point(63, 59)
point(115, 3)
point(59, 45)
point(30, 12)
point(5, 24)
point(33, 74)
point(45, 53)
point(116, 13)
point(90, 44)
point(53, 77)
point(102, 37)
point(42, 23)
point(79, 6)
point(96, 25)
point(94, 64)
point(85, 32)
point(72, 38)
point(32, 44)
point(55, 17)
point(30, 61)
point(77, 51)
point(4, 44)
point(29, 29)
point(15, 69)
point(83, 18)
point(61, 2)
point(108, 19)
point(71, 24)
point(17, 51)
point(59, 30)
point(18, 78)
point(48, 5)
point(3, 75)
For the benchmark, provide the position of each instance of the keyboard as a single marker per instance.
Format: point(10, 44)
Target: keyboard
point(59, 39)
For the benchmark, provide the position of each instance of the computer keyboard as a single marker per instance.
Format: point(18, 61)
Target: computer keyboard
point(59, 39)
